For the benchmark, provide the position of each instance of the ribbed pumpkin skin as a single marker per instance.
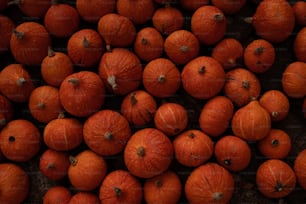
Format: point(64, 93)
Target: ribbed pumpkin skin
point(84, 197)
point(34, 8)
point(300, 168)
point(299, 45)
point(299, 9)
point(57, 194)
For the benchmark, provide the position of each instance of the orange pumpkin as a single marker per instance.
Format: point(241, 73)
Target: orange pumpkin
point(209, 183)
point(181, 46)
point(275, 178)
point(161, 77)
point(163, 189)
point(276, 103)
point(120, 76)
point(233, 153)
point(241, 86)
point(148, 153)
point(276, 145)
point(192, 148)
point(20, 140)
point(6, 110)
point(54, 164)
point(215, 115)
point(57, 194)
point(7, 26)
point(299, 168)
point(299, 45)
point(208, 24)
point(299, 8)
point(138, 107)
point(294, 79)
point(82, 93)
point(29, 43)
point(192, 5)
point(33, 8)
point(251, 122)
point(203, 77)
point(14, 183)
point(229, 6)
point(85, 47)
point(106, 132)
point(119, 186)
point(87, 170)
point(84, 197)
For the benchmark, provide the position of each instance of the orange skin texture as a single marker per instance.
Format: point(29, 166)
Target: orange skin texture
point(229, 6)
point(84, 197)
point(7, 26)
point(299, 167)
point(34, 8)
point(57, 194)
point(299, 9)
point(299, 45)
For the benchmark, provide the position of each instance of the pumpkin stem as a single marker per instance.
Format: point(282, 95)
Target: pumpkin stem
point(184, 48)
point(41, 105)
point(217, 196)
point(144, 41)
point(275, 143)
point(133, 98)
point(274, 114)
point(112, 81)
point(248, 20)
point(85, 42)
point(21, 81)
point(51, 52)
point(74, 81)
point(61, 115)
point(202, 70)
point(279, 187)
point(73, 161)
point(227, 162)
point(108, 48)
point(108, 136)
point(50, 165)
point(231, 61)
point(246, 84)
point(158, 183)
point(2, 121)
point(259, 50)
point(191, 135)
point(141, 151)
point(219, 17)
point(118, 191)
point(11, 138)
point(161, 78)
point(19, 35)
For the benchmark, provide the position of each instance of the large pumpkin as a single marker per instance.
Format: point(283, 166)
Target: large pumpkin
point(57, 194)
point(300, 168)
point(299, 45)
point(33, 8)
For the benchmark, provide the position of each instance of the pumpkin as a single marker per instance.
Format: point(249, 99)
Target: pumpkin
point(251, 122)
point(192, 5)
point(259, 56)
point(208, 24)
point(299, 8)
point(120, 76)
point(163, 189)
point(63, 134)
point(84, 197)
point(44, 104)
point(276, 145)
point(215, 115)
point(85, 47)
point(233, 153)
point(203, 77)
point(276, 103)
point(92, 10)
point(116, 30)
point(29, 43)
point(229, 6)
point(86, 170)
point(138, 107)
point(192, 148)
point(299, 168)
point(57, 194)
point(106, 132)
point(273, 20)
point(55, 67)
point(148, 153)
point(139, 12)
point(33, 8)
point(168, 19)
point(228, 52)
point(171, 118)
point(6, 110)
point(20, 140)
point(149, 44)
point(299, 45)
point(61, 20)
point(7, 26)
point(241, 86)
point(14, 183)
point(209, 183)
point(119, 186)
point(54, 164)
point(82, 93)
point(161, 77)
point(181, 46)
point(275, 178)
point(294, 79)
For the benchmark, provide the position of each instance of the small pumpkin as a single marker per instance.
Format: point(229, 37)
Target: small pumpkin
point(87, 170)
point(161, 77)
point(299, 8)
point(6, 110)
point(229, 6)
point(20, 140)
point(106, 132)
point(208, 24)
point(138, 107)
point(299, 168)
point(241, 86)
point(85, 47)
point(181, 46)
point(120, 76)
point(209, 183)
point(215, 115)
point(192, 148)
point(163, 189)
point(29, 43)
point(82, 93)
point(276, 145)
point(192, 5)
point(14, 183)
point(120, 186)
point(33, 8)
point(57, 194)
point(84, 197)
point(275, 178)
point(233, 153)
point(276, 103)
point(54, 164)
point(148, 153)
point(203, 77)
point(7, 26)
point(251, 122)
point(299, 45)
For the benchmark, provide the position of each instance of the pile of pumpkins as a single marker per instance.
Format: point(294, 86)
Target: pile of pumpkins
point(115, 90)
